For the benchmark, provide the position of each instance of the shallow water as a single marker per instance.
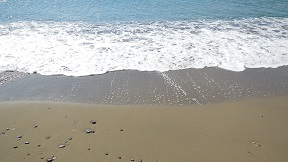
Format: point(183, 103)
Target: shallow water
point(92, 37)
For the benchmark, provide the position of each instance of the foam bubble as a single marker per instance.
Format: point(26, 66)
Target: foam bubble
point(82, 49)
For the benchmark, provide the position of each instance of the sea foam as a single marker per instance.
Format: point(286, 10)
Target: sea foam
point(77, 49)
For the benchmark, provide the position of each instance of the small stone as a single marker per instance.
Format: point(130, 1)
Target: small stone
point(49, 160)
point(3, 132)
point(61, 146)
point(28, 154)
point(106, 153)
point(42, 158)
point(121, 130)
point(93, 122)
point(54, 157)
point(7, 128)
point(70, 138)
point(47, 137)
point(87, 131)
point(35, 126)
point(132, 160)
point(19, 137)
point(15, 147)
point(141, 160)
point(27, 143)
point(89, 149)
point(38, 145)
point(119, 157)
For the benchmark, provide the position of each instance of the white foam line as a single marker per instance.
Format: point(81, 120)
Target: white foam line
point(79, 49)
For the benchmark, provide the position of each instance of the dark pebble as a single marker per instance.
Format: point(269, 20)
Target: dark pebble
point(119, 157)
point(35, 126)
point(106, 153)
point(121, 130)
point(28, 154)
point(38, 145)
point(15, 147)
point(93, 121)
point(27, 143)
point(47, 137)
point(70, 138)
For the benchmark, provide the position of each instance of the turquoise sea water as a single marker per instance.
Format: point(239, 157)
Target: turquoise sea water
point(95, 11)
point(74, 37)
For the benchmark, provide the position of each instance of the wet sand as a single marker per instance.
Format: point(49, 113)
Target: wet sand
point(180, 87)
point(248, 130)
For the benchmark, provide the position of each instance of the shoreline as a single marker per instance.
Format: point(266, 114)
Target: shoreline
point(131, 87)
point(248, 130)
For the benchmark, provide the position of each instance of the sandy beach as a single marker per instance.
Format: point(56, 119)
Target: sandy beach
point(250, 130)
point(188, 115)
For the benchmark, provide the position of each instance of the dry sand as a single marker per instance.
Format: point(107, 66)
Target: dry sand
point(249, 130)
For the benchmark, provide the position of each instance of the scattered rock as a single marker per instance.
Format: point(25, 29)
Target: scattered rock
point(89, 149)
point(70, 138)
point(256, 144)
point(106, 153)
point(47, 137)
point(15, 147)
point(35, 126)
point(49, 160)
point(38, 145)
point(121, 130)
point(93, 122)
point(7, 129)
point(132, 160)
point(61, 146)
point(19, 137)
point(27, 143)
point(141, 160)
point(87, 131)
point(54, 157)
point(119, 157)
point(28, 154)
point(42, 158)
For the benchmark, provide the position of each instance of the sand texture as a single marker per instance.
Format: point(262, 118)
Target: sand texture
point(249, 130)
